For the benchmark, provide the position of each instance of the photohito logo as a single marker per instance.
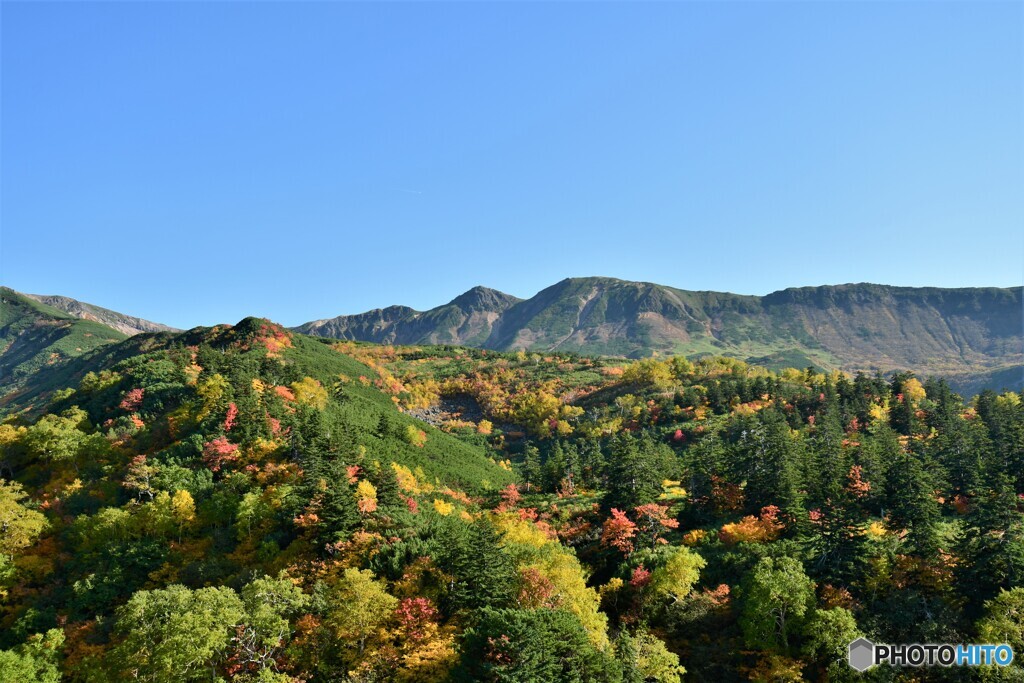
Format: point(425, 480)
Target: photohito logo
point(863, 654)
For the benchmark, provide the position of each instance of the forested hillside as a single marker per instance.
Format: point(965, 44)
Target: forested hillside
point(244, 503)
point(127, 324)
point(972, 337)
point(34, 336)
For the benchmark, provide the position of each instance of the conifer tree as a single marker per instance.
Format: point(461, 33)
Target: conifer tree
point(774, 476)
point(480, 573)
point(532, 473)
point(910, 495)
point(991, 546)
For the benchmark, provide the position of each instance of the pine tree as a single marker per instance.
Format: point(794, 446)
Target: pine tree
point(480, 573)
point(384, 480)
point(992, 543)
point(703, 462)
point(532, 472)
point(774, 475)
point(901, 410)
point(910, 495)
point(635, 473)
point(828, 463)
point(592, 464)
point(554, 467)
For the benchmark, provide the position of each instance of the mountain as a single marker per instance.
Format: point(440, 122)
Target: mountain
point(34, 335)
point(126, 324)
point(971, 336)
point(466, 320)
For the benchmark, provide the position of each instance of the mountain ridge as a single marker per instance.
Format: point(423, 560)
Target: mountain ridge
point(127, 324)
point(959, 333)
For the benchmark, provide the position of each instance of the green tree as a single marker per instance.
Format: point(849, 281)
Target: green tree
point(533, 474)
point(778, 598)
point(636, 469)
point(480, 573)
point(19, 524)
point(36, 661)
point(992, 543)
point(1003, 620)
point(674, 579)
point(644, 657)
point(57, 438)
point(175, 633)
point(827, 635)
point(360, 607)
point(527, 646)
point(269, 604)
point(912, 506)
point(774, 475)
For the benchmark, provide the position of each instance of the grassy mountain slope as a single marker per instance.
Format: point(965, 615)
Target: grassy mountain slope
point(966, 335)
point(34, 336)
point(257, 350)
point(126, 324)
point(466, 320)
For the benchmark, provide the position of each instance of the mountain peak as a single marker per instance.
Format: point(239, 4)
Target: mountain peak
point(126, 324)
point(482, 298)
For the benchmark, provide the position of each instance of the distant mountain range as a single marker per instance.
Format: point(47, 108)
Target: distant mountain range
point(972, 336)
point(125, 324)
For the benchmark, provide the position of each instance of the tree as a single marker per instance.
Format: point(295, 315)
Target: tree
point(36, 661)
point(644, 658)
point(532, 472)
point(385, 482)
point(139, 477)
point(910, 493)
point(653, 521)
point(524, 646)
point(360, 607)
point(777, 600)
point(829, 462)
point(332, 510)
point(183, 509)
point(57, 438)
point(636, 469)
point(992, 543)
point(618, 532)
point(19, 525)
point(675, 579)
point(774, 475)
point(309, 392)
point(175, 633)
point(270, 604)
point(1003, 619)
point(827, 635)
point(366, 496)
point(480, 573)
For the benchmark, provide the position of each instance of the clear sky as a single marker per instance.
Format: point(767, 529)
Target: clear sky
point(193, 163)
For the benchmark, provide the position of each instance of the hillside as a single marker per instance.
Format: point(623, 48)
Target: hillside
point(34, 335)
point(126, 324)
point(241, 503)
point(973, 337)
point(467, 320)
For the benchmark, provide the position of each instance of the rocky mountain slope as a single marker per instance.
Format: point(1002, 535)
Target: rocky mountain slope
point(34, 335)
point(126, 324)
point(972, 336)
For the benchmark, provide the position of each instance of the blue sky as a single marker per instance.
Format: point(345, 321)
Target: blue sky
point(194, 163)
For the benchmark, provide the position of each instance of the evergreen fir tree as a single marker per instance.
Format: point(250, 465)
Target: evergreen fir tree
point(533, 475)
point(910, 495)
point(992, 543)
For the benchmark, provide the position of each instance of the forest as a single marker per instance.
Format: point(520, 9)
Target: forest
point(249, 504)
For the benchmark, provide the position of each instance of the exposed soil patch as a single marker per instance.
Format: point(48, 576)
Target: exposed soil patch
point(455, 407)
point(459, 407)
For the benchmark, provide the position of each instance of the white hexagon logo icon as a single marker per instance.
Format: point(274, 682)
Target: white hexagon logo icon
point(862, 654)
